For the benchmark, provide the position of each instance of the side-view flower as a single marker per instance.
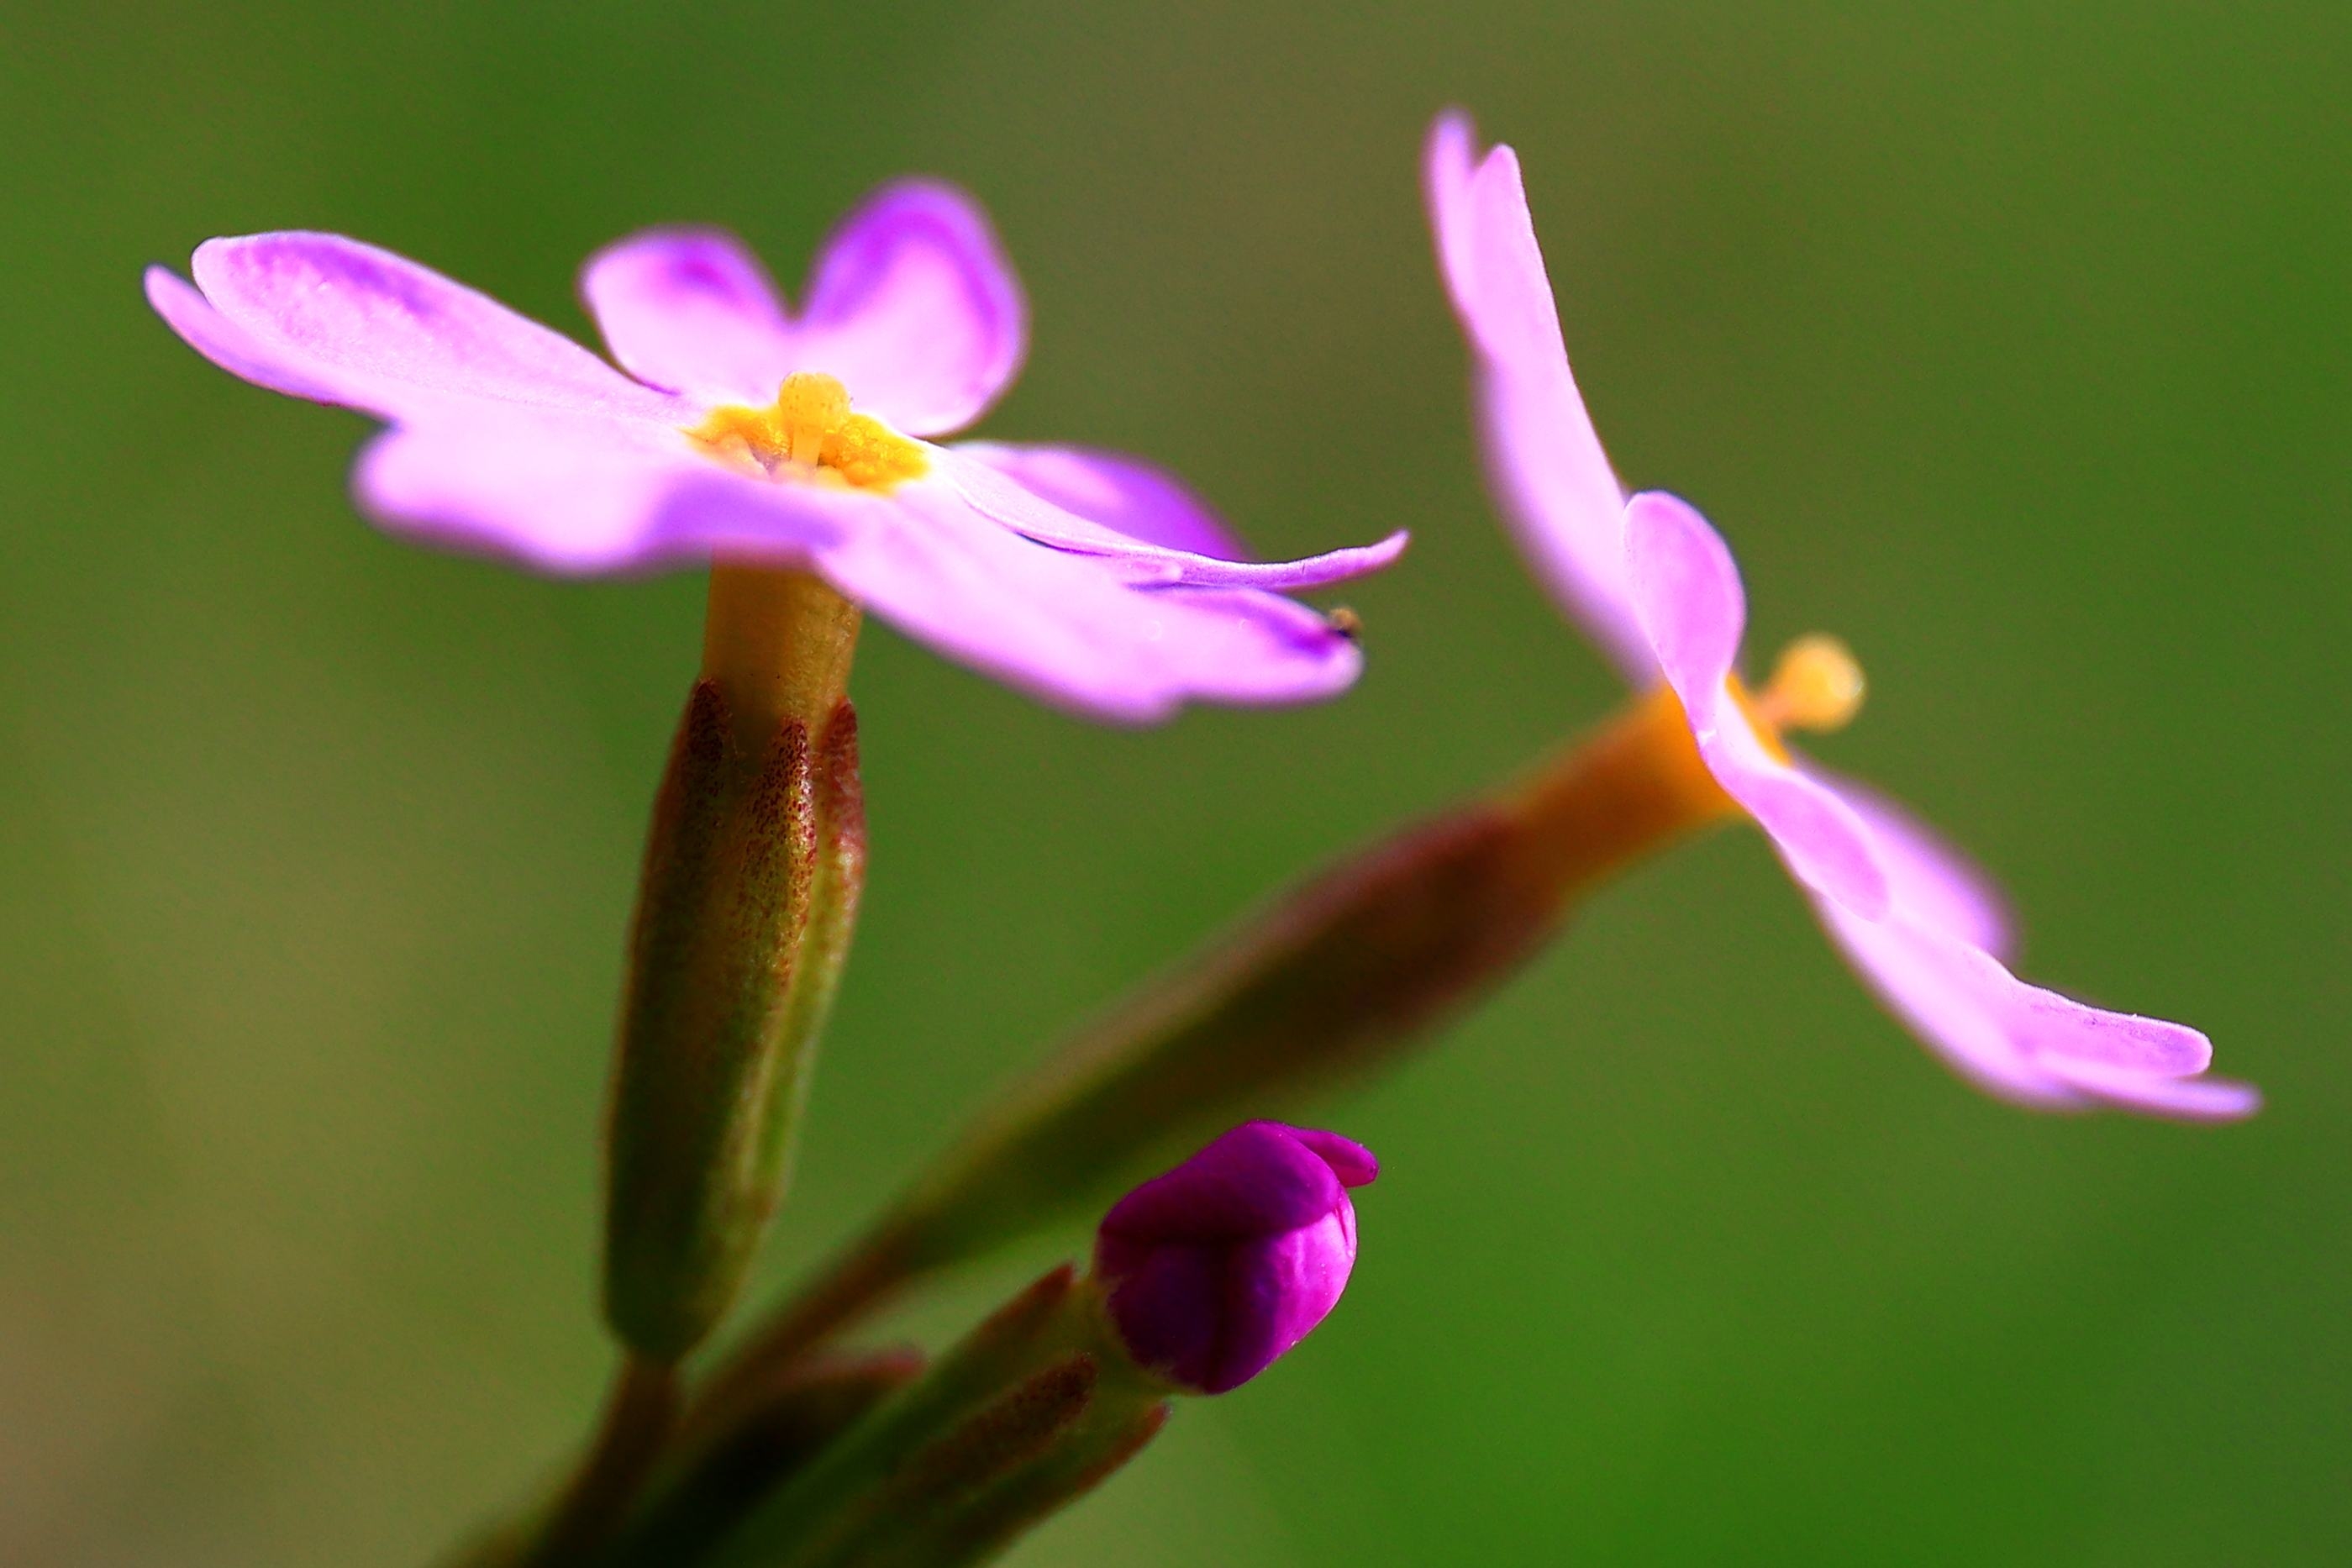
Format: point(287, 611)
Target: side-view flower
point(792, 453)
point(1657, 588)
point(746, 435)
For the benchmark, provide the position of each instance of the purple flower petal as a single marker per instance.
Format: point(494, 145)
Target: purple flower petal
point(566, 495)
point(1922, 982)
point(1354, 1165)
point(2055, 1027)
point(914, 308)
point(1277, 1290)
point(1258, 1179)
point(1545, 462)
point(2186, 1099)
point(1925, 961)
point(1687, 592)
point(1127, 495)
point(2022, 1041)
point(330, 318)
point(237, 350)
point(1170, 1300)
point(1058, 626)
point(692, 311)
point(1932, 883)
point(986, 484)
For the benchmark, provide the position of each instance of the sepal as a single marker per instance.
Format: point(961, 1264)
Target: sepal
point(751, 875)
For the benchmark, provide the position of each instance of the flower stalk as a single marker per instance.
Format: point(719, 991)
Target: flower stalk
point(722, 1467)
point(777, 644)
point(1036, 1403)
point(639, 1412)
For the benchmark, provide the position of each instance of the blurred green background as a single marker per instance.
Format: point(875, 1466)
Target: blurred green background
point(2008, 340)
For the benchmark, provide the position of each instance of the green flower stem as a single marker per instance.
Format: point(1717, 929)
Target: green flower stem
point(719, 1471)
point(1038, 1403)
point(638, 1415)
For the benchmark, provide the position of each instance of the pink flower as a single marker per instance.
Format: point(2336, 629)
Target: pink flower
point(1653, 583)
point(746, 433)
point(1217, 1269)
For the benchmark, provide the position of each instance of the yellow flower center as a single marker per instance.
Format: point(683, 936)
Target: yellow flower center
point(1816, 685)
point(809, 433)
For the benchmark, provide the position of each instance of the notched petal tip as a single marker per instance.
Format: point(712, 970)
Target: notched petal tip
point(913, 305)
point(2024, 1043)
point(189, 314)
point(690, 309)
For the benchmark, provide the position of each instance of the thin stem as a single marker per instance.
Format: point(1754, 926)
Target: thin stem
point(854, 1285)
point(640, 1413)
point(1615, 796)
point(778, 644)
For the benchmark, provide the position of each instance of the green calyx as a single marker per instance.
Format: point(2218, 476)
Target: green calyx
point(752, 877)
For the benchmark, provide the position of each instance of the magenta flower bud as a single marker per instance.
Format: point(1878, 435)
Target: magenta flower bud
point(1213, 1270)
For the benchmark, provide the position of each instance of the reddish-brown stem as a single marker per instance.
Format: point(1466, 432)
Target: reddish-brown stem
point(640, 1413)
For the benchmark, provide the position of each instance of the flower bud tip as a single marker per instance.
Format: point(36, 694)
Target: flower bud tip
point(1214, 1271)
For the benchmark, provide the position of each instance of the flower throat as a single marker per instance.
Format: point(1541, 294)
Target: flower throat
point(809, 433)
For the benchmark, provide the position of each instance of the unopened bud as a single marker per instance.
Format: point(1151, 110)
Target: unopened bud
point(1214, 1271)
point(1204, 1277)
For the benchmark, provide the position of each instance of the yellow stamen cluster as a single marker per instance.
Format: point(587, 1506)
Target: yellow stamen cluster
point(1817, 685)
point(809, 433)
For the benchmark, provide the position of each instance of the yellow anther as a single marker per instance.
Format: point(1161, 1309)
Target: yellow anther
point(809, 407)
point(809, 433)
point(1817, 685)
point(871, 456)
